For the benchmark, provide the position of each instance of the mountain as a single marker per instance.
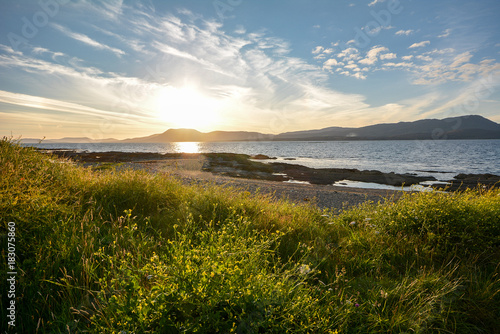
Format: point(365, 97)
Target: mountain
point(463, 127)
point(180, 135)
point(68, 140)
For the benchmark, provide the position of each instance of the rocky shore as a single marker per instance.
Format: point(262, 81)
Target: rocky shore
point(240, 165)
point(250, 167)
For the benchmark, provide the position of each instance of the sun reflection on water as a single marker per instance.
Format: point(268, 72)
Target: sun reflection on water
point(187, 147)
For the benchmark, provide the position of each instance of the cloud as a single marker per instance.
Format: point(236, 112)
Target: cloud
point(130, 42)
point(388, 56)
point(445, 33)
point(39, 102)
point(330, 63)
point(372, 55)
point(444, 68)
point(110, 10)
point(240, 30)
point(87, 40)
point(350, 61)
point(374, 2)
point(401, 64)
point(359, 75)
point(349, 54)
point(373, 31)
point(424, 57)
point(9, 49)
point(461, 59)
point(404, 32)
point(167, 49)
point(263, 80)
point(317, 50)
point(466, 100)
point(419, 45)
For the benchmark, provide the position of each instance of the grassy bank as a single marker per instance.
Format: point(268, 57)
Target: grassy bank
point(106, 251)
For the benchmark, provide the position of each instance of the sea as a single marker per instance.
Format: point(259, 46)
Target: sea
point(442, 159)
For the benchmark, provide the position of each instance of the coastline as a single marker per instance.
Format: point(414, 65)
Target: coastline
point(297, 183)
point(323, 196)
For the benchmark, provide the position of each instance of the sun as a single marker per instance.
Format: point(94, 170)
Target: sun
point(186, 107)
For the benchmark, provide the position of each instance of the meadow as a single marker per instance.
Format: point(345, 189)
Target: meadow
point(108, 251)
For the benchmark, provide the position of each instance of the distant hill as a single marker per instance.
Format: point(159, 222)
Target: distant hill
point(463, 127)
point(180, 135)
point(68, 140)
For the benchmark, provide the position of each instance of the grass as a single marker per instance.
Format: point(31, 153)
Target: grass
point(107, 251)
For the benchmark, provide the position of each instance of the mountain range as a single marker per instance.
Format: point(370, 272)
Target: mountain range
point(462, 127)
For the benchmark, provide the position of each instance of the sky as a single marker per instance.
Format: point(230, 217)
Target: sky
point(123, 69)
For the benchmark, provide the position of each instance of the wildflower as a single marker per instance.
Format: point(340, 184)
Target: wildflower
point(356, 305)
point(304, 269)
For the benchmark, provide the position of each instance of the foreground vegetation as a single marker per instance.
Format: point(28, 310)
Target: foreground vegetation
point(128, 252)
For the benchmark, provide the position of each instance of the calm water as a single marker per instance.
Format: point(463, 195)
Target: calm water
point(440, 158)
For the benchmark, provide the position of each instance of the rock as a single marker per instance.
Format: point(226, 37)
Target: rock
point(468, 181)
point(332, 175)
point(261, 157)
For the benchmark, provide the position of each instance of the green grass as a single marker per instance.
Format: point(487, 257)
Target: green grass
point(107, 251)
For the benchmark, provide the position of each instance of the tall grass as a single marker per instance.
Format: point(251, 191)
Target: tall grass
point(109, 251)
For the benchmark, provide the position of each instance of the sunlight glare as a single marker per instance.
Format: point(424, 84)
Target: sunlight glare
point(187, 147)
point(186, 107)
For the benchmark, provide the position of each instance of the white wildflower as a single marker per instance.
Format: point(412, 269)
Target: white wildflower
point(304, 269)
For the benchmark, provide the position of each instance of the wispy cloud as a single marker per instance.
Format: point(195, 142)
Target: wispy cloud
point(445, 33)
point(374, 2)
point(419, 45)
point(87, 40)
point(317, 49)
point(39, 102)
point(263, 75)
point(404, 32)
point(445, 65)
point(111, 10)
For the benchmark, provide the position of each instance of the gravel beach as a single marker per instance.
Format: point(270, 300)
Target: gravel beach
point(324, 196)
point(191, 168)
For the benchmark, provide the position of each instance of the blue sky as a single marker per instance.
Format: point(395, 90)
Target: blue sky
point(132, 68)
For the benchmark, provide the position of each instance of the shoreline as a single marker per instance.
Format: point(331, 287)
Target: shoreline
point(323, 196)
point(285, 180)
